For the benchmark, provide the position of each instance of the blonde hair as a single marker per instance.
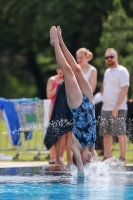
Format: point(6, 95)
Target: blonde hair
point(87, 53)
point(112, 49)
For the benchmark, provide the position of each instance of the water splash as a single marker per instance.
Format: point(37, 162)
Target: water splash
point(101, 169)
point(60, 122)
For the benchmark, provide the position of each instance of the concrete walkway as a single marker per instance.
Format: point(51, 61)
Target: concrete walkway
point(8, 164)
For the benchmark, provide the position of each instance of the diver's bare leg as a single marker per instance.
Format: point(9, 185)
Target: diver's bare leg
point(82, 81)
point(73, 91)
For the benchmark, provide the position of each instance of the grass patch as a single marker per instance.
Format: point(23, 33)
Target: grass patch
point(25, 155)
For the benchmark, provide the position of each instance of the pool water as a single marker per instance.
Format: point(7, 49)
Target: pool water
point(42, 183)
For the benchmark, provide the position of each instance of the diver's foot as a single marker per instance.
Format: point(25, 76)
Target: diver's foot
point(59, 34)
point(53, 35)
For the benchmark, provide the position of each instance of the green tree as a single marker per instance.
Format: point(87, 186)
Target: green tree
point(117, 33)
point(26, 57)
point(128, 6)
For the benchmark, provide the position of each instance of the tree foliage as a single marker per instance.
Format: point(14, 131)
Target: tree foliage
point(117, 33)
point(128, 6)
point(26, 58)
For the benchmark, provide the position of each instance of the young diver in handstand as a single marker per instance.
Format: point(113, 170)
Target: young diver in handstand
point(80, 102)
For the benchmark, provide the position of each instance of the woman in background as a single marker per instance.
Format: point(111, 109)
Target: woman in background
point(59, 130)
point(83, 56)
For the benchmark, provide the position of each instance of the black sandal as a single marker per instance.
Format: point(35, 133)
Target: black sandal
point(52, 162)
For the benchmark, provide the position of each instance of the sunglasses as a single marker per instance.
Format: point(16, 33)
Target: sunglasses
point(107, 57)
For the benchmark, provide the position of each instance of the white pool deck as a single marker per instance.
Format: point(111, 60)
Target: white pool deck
point(9, 164)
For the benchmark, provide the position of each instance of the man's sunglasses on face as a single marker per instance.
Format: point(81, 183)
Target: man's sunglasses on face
point(107, 57)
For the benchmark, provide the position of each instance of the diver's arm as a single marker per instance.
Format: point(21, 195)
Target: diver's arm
point(76, 142)
point(76, 148)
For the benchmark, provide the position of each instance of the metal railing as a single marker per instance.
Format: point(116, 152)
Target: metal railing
point(33, 121)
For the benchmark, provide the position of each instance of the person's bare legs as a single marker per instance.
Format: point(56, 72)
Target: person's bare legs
point(82, 81)
point(60, 148)
point(108, 141)
point(122, 145)
point(52, 155)
point(62, 145)
point(73, 91)
point(57, 146)
point(52, 149)
point(68, 148)
point(59, 151)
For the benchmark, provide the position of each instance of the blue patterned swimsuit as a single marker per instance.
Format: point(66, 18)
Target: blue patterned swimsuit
point(84, 127)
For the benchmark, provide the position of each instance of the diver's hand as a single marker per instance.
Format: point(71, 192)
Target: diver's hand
point(81, 174)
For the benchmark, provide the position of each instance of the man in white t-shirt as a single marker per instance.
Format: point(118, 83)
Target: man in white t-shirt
point(114, 109)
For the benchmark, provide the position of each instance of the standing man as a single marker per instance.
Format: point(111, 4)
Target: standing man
point(114, 109)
